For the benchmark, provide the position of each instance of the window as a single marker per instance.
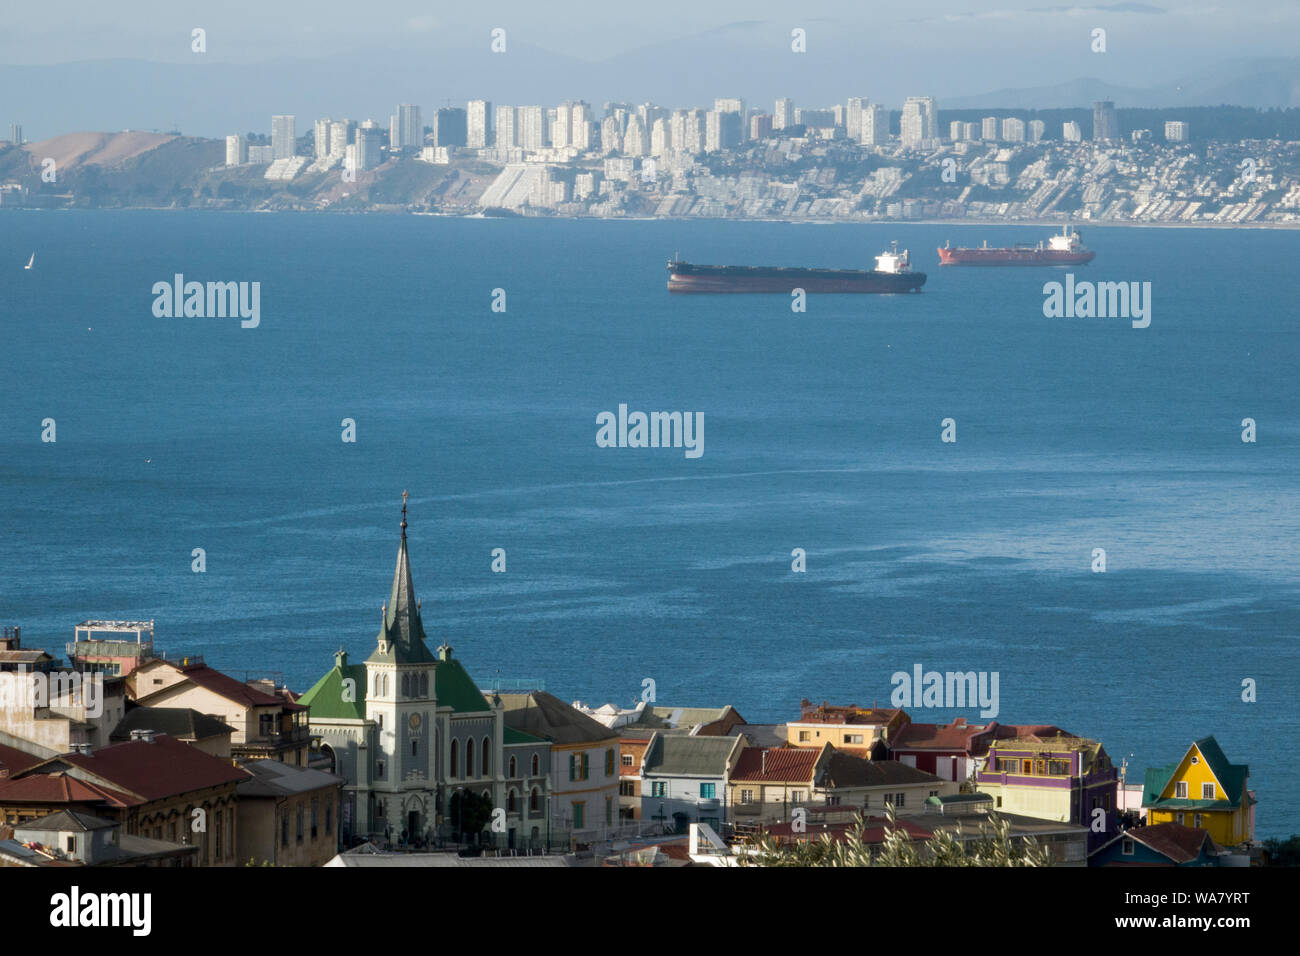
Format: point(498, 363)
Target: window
point(1058, 768)
point(579, 816)
point(708, 791)
point(469, 758)
point(284, 828)
point(1008, 765)
point(415, 748)
point(72, 844)
point(300, 822)
point(329, 820)
point(1027, 767)
point(804, 736)
point(510, 801)
point(265, 724)
point(796, 796)
point(514, 766)
point(487, 757)
point(627, 788)
point(609, 811)
point(315, 816)
point(1180, 818)
point(1196, 820)
point(747, 796)
point(578, 766)
point(536, 765)
point(832, 800)
point(1207, 791)
point(900, 801)
point(1126, 847)
point(853, 738)
point(934, 793)
point(626, 759)
point(1180, 790)
point(533, 801)
point(658, 788)
point(609, 762)
point(455, 754)
point(379, 768)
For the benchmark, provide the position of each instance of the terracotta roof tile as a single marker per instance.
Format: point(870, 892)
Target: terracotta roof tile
point(782, 764)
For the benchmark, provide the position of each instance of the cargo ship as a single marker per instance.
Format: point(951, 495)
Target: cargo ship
point(1063, 250)
point(893, 273)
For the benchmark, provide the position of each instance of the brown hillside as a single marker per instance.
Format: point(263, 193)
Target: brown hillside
point(95, 149)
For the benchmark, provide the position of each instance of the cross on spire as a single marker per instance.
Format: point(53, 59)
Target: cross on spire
point(404, 497)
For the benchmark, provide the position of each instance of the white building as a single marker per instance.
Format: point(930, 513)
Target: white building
point(1037, 130)
point(478, 123)
point(506, 135)
point(1013, 130)
point(1071, 132)
point(284, 141)
point(920, 123)
point(989, 129)
point(783, 113)
point(236, 150)
point(532, 127)
point(1176, 131)
point(875, 125)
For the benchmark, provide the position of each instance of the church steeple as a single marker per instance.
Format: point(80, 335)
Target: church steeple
point(402, 630)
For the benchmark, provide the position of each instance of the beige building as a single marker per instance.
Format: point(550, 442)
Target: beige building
point(288, 816)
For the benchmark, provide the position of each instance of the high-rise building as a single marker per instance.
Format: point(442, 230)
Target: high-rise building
point(955, 131)
point(875, 125)
point(1013, 130)
point(693, 135)
point(563, 123)
point(783, 113)
point(16, 134)
point(506, 134)
point(532, 127)
point(1037, 130)
point(321, 140)
point(971, 131)
point(989, 129)
point(236, 150)
point(1071, 132)
point(814, 119)
point(410, 127)
point(853, 116)
point(635, 140)
point(660, 138)
point(1105, 124)
point(760, 126)
point(581, 121)
point(284, 141)
point(478, 117)
point(1176, 131)
point(611, 135)
point(450, 127)
point(340, 133)
point(721, 130)
point(367, 152)
point(920, 124)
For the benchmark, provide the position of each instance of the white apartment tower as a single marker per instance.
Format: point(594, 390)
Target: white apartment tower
point(236, 150)
point(875, 125)
point(321, 142)
point(478, 122)
point(920, 123)
point(283, 139)
point(783, 113)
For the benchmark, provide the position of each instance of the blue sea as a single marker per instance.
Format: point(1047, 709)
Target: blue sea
point(822, 432)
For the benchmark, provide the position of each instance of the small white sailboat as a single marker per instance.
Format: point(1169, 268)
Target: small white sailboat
point(31, 261)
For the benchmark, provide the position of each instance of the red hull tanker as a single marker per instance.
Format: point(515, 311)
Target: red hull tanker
point(893, 273)
point(1063, 250)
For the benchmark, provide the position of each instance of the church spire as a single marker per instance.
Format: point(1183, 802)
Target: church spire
point(402, 628)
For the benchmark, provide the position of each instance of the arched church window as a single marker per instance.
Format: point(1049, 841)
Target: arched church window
point(513, 766)
point(455, 758)
point(533, 800)
point(487, 756)
point(406, 685)
point(536, 765)
point(469, 757)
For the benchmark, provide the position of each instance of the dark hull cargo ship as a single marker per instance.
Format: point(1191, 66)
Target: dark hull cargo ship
point(893, 273)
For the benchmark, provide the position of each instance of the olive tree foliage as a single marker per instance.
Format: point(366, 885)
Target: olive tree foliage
point(994, 847)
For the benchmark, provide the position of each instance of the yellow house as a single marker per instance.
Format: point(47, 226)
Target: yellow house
point(1203, 791)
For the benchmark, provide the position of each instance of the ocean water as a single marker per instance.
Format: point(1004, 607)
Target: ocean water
point(822, 432)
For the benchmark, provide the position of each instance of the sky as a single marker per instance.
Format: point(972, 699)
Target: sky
point(676, 52)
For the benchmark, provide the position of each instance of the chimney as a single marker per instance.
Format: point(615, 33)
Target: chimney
point(84, 749)
point(142, 736)
point(764, 761)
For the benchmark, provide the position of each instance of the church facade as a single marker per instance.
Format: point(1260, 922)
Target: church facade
point(408, 729)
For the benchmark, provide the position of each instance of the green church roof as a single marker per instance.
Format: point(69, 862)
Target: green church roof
point(326, 699)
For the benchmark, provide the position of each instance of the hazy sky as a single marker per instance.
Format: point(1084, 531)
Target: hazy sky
point(1146, 40)
point(342, 57)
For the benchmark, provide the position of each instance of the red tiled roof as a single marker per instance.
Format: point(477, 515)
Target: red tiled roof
point(954, 736)
point(1178, 842)
point(228, 687)
point(783, 763)
point(164, 768)
point(13, 760)
point(59, 787)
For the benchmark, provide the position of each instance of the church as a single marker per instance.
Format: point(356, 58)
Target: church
point(409, 728)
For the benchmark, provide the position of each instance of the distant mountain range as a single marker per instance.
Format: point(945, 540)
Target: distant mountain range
point(211, 98)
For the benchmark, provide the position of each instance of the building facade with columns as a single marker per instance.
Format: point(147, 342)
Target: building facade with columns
point(408, 728)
